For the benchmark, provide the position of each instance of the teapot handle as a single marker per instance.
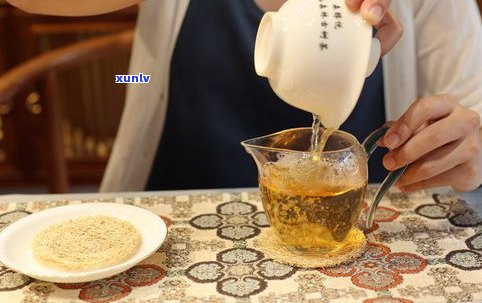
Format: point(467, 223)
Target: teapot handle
point(370, 144)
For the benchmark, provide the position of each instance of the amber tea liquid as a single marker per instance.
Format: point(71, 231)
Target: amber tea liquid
point(315, 222)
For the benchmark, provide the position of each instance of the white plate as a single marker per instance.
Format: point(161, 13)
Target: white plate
point(16, 240)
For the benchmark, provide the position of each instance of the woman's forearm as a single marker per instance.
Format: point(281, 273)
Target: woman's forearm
point(71, 7)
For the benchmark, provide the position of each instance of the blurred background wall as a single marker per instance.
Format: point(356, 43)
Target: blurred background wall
point(90, 102)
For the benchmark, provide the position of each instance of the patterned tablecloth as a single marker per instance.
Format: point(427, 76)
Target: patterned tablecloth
point(423, 248)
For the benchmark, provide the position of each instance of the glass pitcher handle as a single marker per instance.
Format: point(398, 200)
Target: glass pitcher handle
point(370, 144)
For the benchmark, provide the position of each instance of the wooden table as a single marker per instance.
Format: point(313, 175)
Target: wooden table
point(425, 247)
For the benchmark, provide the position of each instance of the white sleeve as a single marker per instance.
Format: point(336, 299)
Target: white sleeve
point(449, 50)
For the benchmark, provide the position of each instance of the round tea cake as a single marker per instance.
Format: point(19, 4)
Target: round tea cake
point(86, 243)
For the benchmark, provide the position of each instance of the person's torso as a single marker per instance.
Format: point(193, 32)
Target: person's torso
point(216, 100)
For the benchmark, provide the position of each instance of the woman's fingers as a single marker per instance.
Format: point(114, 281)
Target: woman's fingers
point(433, 164)
point(458, 164)
point(441, 141)
point(421, 112)
point(353, 5)
point(389, 31)
point(375, 12)
point(464, 177)
point(440, 181)
point(430, 138)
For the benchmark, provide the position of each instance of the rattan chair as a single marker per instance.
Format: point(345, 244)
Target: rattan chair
point(39, 71)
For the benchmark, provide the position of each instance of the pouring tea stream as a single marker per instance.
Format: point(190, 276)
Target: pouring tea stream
point(316, 55)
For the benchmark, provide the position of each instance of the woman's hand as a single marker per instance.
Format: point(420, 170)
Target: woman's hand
point(442, 142)
point(376, 12)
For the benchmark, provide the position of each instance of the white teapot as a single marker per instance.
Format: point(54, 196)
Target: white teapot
point(316, 55)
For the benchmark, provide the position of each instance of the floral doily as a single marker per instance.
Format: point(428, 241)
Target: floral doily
point(354, 246)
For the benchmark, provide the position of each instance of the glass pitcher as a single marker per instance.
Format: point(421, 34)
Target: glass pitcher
point(313, 201)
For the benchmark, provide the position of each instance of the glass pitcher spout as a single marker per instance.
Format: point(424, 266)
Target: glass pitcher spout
point(273, 146)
